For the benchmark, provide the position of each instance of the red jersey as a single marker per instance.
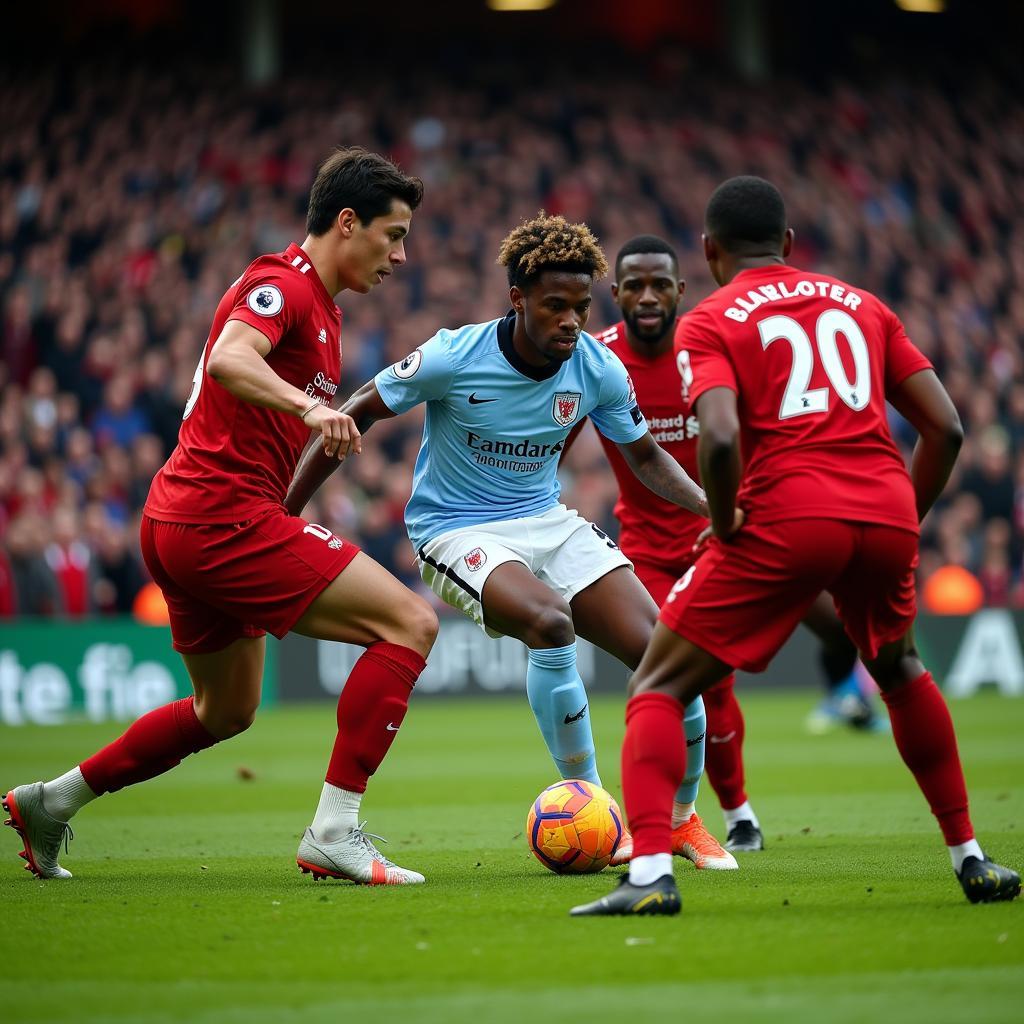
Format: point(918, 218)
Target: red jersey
point(811, 360)
point(235, 460)
point(653, 530)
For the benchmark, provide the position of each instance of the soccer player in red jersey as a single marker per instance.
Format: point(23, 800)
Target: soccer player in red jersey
point(233, 564)
point(659, 538)
point(799, 366)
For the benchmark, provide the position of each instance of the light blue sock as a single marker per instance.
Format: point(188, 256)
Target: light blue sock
point(695, 727)
point(562, 709)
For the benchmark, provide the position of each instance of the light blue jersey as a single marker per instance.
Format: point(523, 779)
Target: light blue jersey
point(495, 425)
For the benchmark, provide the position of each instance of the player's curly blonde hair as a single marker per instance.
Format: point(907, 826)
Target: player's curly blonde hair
point(550, 243)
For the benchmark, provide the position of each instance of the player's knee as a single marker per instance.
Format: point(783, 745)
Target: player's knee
point(551, 626)
point(223, 723)
point(421, 627)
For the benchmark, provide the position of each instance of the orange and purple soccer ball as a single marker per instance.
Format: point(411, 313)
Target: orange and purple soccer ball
point(574, 827)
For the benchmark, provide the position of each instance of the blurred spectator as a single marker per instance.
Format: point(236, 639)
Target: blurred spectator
point(36, 590)
point(126, 213)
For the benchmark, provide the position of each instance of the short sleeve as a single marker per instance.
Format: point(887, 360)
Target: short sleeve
point(617, 416)
point(902, 357)
point(424, 375)
point(274, 300)
point(701, 359)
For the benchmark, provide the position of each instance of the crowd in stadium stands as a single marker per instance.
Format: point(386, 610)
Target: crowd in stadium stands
point(130, 202)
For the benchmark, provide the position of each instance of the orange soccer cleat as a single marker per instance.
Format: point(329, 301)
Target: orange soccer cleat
point(694, 842)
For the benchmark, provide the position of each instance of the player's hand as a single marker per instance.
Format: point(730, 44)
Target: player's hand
point(738, 519)
point(339, 431)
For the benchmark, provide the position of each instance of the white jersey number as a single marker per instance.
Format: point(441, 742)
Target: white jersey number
point(197, 383)
point(798, 399)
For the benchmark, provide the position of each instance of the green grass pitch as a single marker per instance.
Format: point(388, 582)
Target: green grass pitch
point(187, 904)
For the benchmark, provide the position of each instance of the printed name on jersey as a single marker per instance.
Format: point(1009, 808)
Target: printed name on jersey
point(321, 382)
point(475, 559)
point(565, 407)
point(673, 428)
point(780, 290)
point(266, 300)
point(409, 365)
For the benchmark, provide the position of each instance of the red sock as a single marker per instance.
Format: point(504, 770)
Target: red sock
point(653, 765)
point(153, 744)
point(370, 710)
point(924, 736)
point(723, 752)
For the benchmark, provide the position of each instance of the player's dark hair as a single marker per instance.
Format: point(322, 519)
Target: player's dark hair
point(550, 243)
point(365, 182)
point(641, 245)
point(746, 215)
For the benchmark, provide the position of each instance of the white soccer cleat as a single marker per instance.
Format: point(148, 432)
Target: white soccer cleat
point(353, 857)
point(41, 833)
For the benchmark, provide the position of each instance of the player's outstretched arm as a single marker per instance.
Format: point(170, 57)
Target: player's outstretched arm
point(659, 472)
point(925, 404)
point(361, 409)
point(718, 457)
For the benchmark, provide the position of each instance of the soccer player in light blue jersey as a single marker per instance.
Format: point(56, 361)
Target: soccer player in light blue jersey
point(491, 537)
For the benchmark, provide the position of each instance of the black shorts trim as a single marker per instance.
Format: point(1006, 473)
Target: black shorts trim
point(447, 570)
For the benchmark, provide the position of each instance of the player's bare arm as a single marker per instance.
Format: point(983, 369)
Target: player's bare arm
point(361, 409)
point(238, 362)
point(924, 403)
point(718, 456)
point(660, 473)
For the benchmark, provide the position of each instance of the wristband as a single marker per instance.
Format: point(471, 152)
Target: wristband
point(309, 408)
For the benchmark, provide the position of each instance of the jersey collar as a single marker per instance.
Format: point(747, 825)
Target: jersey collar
point(297, 257)
point(506, 326)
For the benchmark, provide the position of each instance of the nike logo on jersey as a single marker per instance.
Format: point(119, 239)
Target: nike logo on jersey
point(569, 719)
point(391, 728)
point(723, 739)
point(473, 400)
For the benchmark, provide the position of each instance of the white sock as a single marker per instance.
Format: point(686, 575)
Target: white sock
point(336, 814)
point(681, 813)
point(67, 795)
point(742, 813)
point(649, 868)
point(958, 854)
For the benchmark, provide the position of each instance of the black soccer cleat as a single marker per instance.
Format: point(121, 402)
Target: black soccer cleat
point(744, 837)
point(984, 881)
point(660, 897)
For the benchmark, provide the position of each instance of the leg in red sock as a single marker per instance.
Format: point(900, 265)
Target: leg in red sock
point(370, 711)
point(924, 735)
point(152, 745)
point(653, 764)
point(724, 751)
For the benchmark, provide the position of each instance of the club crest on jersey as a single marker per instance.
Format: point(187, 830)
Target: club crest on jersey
point(566, 407)
point(335, 543)
point(409, 365)
point(475, 559)
point(632, 390)
point(266, 300)
point(322, 336)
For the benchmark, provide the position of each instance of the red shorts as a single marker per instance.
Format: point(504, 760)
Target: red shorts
point(740, 601)
point(225, 581)
point(658, 579)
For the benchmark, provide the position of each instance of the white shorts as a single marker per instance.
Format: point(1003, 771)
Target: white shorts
point(561, 548)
